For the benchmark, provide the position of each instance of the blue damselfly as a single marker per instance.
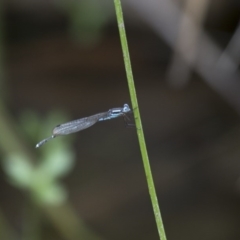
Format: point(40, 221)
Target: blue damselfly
point(86, 122)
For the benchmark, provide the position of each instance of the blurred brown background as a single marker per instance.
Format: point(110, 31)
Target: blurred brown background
point(66, 56)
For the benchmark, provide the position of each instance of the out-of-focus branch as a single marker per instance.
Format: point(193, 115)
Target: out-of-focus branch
point(6, 232)
point(179, 71)
point(233, 50)
point(1, 43)
point(163, 16)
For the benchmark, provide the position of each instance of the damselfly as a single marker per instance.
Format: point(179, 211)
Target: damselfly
point(86, 122)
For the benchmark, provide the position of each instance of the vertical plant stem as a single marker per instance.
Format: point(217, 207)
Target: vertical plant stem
point(147, 168)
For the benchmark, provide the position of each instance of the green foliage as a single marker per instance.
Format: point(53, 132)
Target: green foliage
point(32, 125)
point(58, 162)
point(19, 171)
point(87, 18)
point(41, 179)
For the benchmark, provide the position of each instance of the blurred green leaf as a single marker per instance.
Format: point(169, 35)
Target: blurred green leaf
point(19, 170)
point(87, 18)
point(50, 194)
point(58, 162)
point(29, 123)
point(36, 128)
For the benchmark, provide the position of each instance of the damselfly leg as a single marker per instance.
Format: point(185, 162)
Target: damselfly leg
point(128, 122)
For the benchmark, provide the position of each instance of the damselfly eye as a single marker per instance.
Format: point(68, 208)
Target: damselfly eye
point(126, 108)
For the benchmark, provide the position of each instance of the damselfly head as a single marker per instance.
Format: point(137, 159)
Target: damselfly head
point(126, 108)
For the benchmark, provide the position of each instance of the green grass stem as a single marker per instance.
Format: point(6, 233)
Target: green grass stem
point(133, 95)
